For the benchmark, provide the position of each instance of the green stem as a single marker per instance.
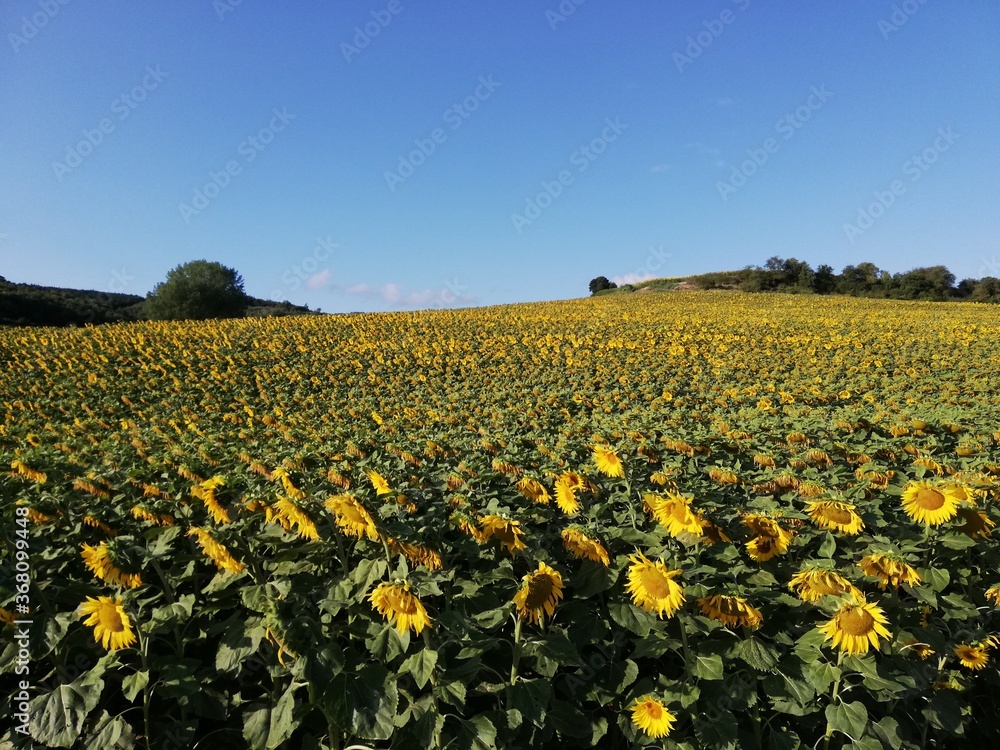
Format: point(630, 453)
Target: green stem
point(517, 651)
point(146, 691)
point(687, 653)
point(385, 546)
point(834, 699)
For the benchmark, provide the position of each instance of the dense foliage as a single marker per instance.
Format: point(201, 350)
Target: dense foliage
point(748, 521)
point(198, 290)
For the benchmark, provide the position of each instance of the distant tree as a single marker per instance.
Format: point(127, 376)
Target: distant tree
point(933, 283)
point(987, 290)
point(824, 281)
point(600, 284)
point(198, 290)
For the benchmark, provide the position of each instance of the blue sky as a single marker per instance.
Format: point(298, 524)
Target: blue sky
point(492, 152)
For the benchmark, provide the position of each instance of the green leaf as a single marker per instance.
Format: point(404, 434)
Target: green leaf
point(954, 540)
point(887, 729)
point(558, 647)
point(477, 734)
point(364, 703)
point(530, 698)
point(631, 617)
point(266, 727)
point(707, 667)
point(822, 675)
point(110, 733)
point(829, 546)
point(720, 732)
point(134, 684)
point(569, 721)
point(57, 717)
point(389, 643)
point(420, 665)
point(848, 718)
point(936, 578)
point(592, 579)
point(756, 653)
point(452, 692)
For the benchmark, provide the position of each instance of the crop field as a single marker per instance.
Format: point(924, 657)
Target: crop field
point(676, 520)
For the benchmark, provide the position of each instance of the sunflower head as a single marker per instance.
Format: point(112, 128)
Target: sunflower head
point(835, 516)
point(812, 584)
point(856, 626)
point(652, 717)
point(111, 624)
point(507, 532)
point(404, 610)
point(890, 571)
point(652, 586)
point(973, 657)
point(730, 610)
point(567, 485)
point(608, 462)
point(581, 546)
point(930, 503)
point(673, 512)
point(539, 593)
point(352, 517)
point(975, 522)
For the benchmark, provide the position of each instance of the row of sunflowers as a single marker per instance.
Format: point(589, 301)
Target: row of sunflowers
point(690, 520)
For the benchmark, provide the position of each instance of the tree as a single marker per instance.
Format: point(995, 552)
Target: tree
point(198, 290)
point(600, 284)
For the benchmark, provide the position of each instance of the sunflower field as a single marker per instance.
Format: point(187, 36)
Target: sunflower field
point(686, 520)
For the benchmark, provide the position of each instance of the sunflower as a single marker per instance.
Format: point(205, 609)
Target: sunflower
point(923, 650)
point(652, 586)
point(533, 490)
point(652, 717)
point(607, 462)
point(856, 625)
point(762, 548)
point(712, 534)
point(976, 522)
point(578, 544)
point(892, 571)
point(6, 616)
point(835, 516)
point(215, 551)
point(507, 532)
point(468, 526)
point(973, 657)
point(566, 489)
point(417, 554)
point(993, 595)
point(379, 483)
point(352, 517)
point(294, 516)
point(674, 513)
point(812, 584)
point(730, 610)
point(100, 562)
point(395, 603)
point(539, 593)
point(927, 503)
point(107, 616)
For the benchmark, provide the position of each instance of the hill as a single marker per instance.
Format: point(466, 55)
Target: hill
point(34, 305)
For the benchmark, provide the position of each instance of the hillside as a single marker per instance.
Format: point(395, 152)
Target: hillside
point(33, 305)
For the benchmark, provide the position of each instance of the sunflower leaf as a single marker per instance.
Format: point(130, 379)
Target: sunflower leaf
point(848, 718)
point(420, 665)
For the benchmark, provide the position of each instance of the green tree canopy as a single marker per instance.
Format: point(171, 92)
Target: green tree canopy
point(198, 290)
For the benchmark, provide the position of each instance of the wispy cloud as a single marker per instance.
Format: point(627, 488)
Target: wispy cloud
point(725, 101)
point(397, 296)
point(632, 278)
point(319, 280)
point(711, 152)
point(661, 168)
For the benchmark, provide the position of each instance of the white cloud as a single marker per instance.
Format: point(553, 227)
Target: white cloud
point(632, 278)
point(661, 168)
point(319, 280)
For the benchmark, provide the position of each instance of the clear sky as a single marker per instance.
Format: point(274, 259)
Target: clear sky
point(377, 155)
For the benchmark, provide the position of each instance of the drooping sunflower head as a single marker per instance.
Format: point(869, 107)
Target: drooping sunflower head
point(973, 657)
point(993, 595)
point(812, 584)
point(352, 517)
point(111, 624)
point(534, 490)
point(404, 610)
point(566, 487)
point(674, 512)
point(975, 522)
point(733, 611)
point(923, 650)
point(855, 627)
point(215, 551)
point(581, 546)
point(835, 516)
point(104, 563)
point(505, 531)
point(653, 587)
point(539, 593)
point(890, 570)
point(379, 483)
point(607, 462)
point(929, 503)
point(652, 717)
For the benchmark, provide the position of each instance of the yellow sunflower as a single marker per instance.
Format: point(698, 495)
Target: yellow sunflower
point(607, 462)
point(993, 595)
point(379, 483)
point(653, 587)
point(404, 610)
point(923, 650)
point(835, 516)
point(293, 516)
point(976, 522)
point(652, 717)
point(507, 532)
point(216, 552)
point(730, 610)
point(674, 513)
point(856, 626)
point(578, 544)
point(890, 570)
point(973, 657)
point(352, 517)
point(533, 490)
point(812, 584)
point(99, 561)
point(566, 488)
point(539, 593)
point(930, 504)
point(112, 628)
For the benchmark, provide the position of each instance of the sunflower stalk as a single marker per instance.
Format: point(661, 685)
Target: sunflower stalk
point(834, 698)
point(516, 651)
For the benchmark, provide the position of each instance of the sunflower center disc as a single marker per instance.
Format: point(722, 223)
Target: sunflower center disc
point(856, 621)
point(110, 619)
point(657, 584)
point(539, 590)
point(929, 499)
